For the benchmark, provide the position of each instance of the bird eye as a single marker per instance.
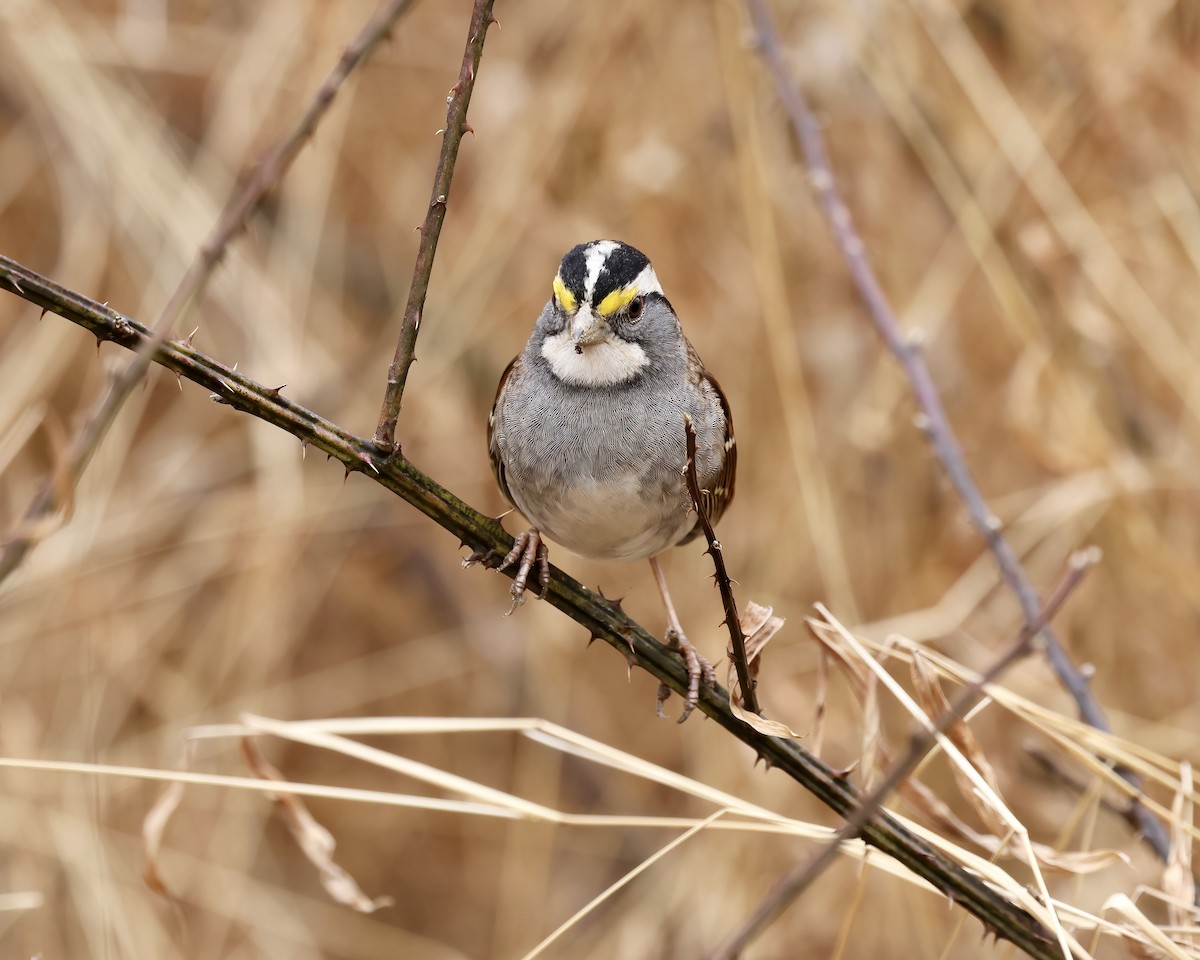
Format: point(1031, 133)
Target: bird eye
point(635, 308)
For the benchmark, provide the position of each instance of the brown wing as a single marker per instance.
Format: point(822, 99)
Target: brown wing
point(719, 494)
point(493, 449)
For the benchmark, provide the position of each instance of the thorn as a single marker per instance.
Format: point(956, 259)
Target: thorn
point(615, 603)
point(179, 381)
point(467, 128)
point(471, 72)
point(43, 314)
point(328, 457)
point(419, 228)
point(16, 284)
point(439, 131)
point(494, 22)
point(441, 198)
point(274, 391)
point(627, 636)
point(592, 638)
point(369, 462)
point(98, 342)
point(187, 341)
point(345, 476)
point(303, 449)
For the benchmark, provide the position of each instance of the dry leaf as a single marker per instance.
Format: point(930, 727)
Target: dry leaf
point(831, 642)
point(314, 840)
point(759, 625)
point(1076, 862)
point(154, 825)
point(1178, 882)
point(1143, 937)
point(772, 728)
point(933, 700)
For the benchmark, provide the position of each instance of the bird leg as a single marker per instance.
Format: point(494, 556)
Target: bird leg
point(698, 667)
point(530, 550)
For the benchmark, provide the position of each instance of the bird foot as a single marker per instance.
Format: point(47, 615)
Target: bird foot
point(698, 668)
point(530, 550)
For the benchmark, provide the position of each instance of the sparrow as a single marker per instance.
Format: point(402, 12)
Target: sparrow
point(587, 431)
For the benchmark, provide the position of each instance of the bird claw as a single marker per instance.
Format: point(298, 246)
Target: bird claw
point(530, 550)
point(478, 556)
point(699, 670)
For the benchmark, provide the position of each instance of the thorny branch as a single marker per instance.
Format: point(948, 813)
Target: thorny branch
point(789, 887)
point(933, 419)
point(56, 489)
point(602, 618)
point(741, 662)
point(456, 128)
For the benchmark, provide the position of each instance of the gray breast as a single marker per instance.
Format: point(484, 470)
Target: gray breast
point(599, 469)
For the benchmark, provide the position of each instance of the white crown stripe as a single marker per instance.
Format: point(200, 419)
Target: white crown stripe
point(596, 256)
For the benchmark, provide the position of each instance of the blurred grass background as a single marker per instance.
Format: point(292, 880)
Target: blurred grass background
point(1025, 179)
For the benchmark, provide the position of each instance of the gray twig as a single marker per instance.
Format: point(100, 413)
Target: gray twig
point(57, 487)
point(456, 128)
point(934, 420)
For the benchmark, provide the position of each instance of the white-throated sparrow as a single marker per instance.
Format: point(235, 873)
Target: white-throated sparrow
point(587, 431)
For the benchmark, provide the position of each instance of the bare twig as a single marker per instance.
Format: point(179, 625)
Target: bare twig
point(732, 621)
point(933, 419)
point(602, 618)
point(456, 128)
point(268, 174)
point(792, 885)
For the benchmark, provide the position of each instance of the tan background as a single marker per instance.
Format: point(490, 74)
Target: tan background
point(1024, 176)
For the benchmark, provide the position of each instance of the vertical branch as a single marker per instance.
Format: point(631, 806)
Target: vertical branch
point(431, 229)
point(933, 419)
point(57, 488)
point(737, 639)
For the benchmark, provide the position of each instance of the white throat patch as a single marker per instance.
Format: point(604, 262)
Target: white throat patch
point(603, 364)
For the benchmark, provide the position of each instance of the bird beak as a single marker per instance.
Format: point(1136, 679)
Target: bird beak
point(587, 329)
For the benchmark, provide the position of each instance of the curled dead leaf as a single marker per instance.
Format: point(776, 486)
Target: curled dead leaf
point(759, 626)
point(314, 841)
point(154, 825)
